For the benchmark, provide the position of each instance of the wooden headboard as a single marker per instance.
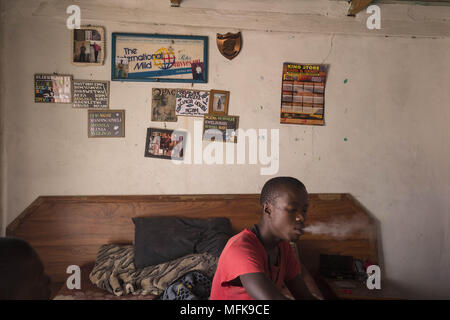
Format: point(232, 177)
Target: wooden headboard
point(68, 230)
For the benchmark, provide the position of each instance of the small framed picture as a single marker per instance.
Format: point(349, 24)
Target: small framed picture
point(88, 46)
point(53, 88)
point(220, 128)
point(218, 102)
point(165, 143)
point(193, 103)
point(163, 105)
point(106, 123)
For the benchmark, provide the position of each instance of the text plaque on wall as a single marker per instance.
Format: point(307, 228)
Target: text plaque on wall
point(92, 94)
point(106, 124)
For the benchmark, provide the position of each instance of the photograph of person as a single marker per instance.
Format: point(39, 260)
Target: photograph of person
point(163, 105)
point(88, 46)
point(165, 144)
point(218, 102)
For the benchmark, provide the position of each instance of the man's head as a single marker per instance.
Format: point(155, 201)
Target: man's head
point(21, 272)
point(284, 201)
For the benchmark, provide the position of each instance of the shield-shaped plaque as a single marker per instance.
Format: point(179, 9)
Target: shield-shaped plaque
point(229, 44)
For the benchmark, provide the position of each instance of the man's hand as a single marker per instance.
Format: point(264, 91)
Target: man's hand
point(260, 287)
point(311, 284)
point(303, 286)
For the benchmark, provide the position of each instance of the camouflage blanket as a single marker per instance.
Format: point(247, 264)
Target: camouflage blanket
point(115, 272)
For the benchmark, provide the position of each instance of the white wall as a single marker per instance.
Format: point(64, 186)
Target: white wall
point(385, 140)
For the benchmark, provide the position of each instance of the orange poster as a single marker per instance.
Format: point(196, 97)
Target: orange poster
point(303, 94)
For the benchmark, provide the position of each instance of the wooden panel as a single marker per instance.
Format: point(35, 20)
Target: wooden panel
point(68, 230)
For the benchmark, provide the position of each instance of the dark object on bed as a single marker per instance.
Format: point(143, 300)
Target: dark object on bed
point(336, 266)
point(194, 285)
point(162, 239)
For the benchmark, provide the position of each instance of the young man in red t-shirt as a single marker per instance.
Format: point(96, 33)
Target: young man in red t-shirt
point(257, 262)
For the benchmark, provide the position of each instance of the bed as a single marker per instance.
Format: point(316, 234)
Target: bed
point(70, 230)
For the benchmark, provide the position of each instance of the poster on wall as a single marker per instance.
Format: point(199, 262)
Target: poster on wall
point(163, 104)
point(156, 57)
point(220, 128)
point(52, 88)
point(192, 102)
point(165, 144)
point(88, 46)
point(92, 94)
point(106, 124)
point(303, 93)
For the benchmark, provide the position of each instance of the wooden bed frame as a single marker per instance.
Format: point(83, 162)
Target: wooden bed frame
point(68, 230)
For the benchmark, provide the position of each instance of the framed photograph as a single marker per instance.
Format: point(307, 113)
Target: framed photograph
point(163, 105)
point(88, 46)
point(106, 124)
point(218, 102)
point(165, 144)
point(53, 88)
point(192, 102)
point(220, 128)
point(157, 57)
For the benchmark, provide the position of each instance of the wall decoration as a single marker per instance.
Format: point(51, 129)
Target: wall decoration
point(163, 104)
point(92, 94)
point(53, 88)
point(218, 102)
point(303, 94)
point(225, 126)
point(192, 102)
point(229, 44)
point(106, 124)
point(88, 46)
point(156, 57)
point(165, 143)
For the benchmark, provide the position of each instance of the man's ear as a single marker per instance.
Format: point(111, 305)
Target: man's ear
point(267, 208)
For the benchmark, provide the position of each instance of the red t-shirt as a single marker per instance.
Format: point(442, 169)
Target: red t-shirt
point(243, 254)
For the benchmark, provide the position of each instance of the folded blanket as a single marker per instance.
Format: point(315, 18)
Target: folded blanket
point(115, 272)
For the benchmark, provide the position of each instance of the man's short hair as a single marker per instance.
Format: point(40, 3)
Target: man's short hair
point(271, 188)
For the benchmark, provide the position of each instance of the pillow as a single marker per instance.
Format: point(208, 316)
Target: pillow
point(115, 272)
point(161, 239)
